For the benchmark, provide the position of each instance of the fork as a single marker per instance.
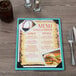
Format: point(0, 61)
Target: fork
point(71, 41)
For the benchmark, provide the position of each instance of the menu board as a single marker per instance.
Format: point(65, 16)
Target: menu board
point(39, 44)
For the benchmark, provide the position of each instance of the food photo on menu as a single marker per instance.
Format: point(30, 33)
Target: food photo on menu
point(39, 44)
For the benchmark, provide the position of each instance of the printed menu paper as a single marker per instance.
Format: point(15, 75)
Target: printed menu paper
point(39, 44)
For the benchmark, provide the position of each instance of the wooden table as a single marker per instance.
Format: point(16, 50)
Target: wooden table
point(64, 9)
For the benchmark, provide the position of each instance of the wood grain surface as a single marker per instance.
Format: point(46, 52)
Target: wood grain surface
point(64, 9)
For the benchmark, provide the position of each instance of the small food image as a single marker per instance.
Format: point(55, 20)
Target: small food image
point(52, 58)
point(27, 25)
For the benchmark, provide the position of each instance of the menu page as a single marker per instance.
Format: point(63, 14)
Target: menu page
point(39, 44)
point(36, 39)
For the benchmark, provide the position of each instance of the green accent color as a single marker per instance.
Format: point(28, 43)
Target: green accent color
point(60, 35)
point(57, 56)
point(17, 37)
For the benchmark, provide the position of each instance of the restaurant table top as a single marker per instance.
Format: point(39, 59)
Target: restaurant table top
point(63, 9)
